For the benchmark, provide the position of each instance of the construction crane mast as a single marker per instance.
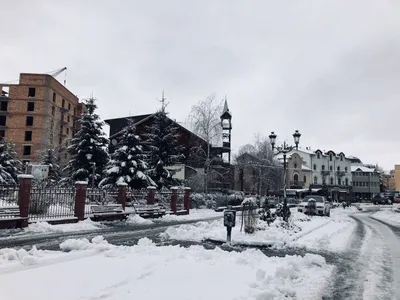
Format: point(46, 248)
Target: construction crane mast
point(58, 72)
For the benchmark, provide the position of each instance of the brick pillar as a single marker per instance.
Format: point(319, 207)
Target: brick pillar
point(122, 194)
point(186, 200)
point(24, 196)
point(80, 199)
point(151, 195)
point(174, 199)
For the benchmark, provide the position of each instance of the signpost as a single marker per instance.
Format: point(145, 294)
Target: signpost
point(229, 222)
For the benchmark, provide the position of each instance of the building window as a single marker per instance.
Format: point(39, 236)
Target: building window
point(338, 168)
point(31, 106)
point(59, 141)
point(341, 157)
point(2, 133)
point(68, 118)
point(29, 121)
point(31, 92)
point(3, 120)
point(62, 117)
point(28, 136)
point(69, 106)
point(345, 169)
point(305, 179)
point(338, 181)
point(347, 181)
point(323, 167)
point(74, 111)
point(314, 167)
point(61, 129)
point(67, 130)
point(63, 103)
point(331, 180)
point(323, 180)
point(27, 150)
point(54, 97)
point(330, 168)
point(318, 155)
point(315, 180)
point(295, 166)
point(330, 157)
point(4, 106)
point(53, 111)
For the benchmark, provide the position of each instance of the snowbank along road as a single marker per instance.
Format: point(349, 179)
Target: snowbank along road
point(363, 250)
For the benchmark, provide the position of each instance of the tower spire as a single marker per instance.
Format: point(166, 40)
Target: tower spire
point(226, 108)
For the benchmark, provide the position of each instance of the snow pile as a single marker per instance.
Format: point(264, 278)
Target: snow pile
point(391, 216)
point(44, 227)
point(195, 214)
point(311, 232)
point(178, 273)
point(10, 256)
point(98, 243)
point(334, 234)
point(136, 219)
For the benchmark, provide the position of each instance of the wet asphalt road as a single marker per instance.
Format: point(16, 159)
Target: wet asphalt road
point(373, 248)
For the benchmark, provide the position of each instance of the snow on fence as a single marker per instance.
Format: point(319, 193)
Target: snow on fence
point(51, 203)
point(136, 197)
point(8, 200)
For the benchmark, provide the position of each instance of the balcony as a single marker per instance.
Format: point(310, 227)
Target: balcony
point(325, 173)
point(340, 174)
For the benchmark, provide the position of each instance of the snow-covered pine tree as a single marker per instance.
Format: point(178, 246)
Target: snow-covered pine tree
point(164, 149)
point(10, 166)
point(88, 147)
point(127, 163)
point(49, 158)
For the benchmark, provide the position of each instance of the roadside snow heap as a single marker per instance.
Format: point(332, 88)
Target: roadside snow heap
point(119, 272)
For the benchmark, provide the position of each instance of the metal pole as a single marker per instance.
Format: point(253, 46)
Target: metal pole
point(229, 233)
point(94, 169)
point(284, 176)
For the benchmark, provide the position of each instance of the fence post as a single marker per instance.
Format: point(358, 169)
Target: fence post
point(122, 194)
point(80, 199)
point(186, 200)
point(151, 195)
point(24, 196)
point(174, 198)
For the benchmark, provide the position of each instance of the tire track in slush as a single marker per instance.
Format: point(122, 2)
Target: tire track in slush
point(346, 283)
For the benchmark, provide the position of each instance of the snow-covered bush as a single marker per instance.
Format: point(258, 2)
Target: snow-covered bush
point(201, 200)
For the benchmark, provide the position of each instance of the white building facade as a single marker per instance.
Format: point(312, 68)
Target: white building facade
point(330, 168)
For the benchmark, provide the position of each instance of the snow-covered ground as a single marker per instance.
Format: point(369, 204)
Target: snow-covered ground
point(312, 232)
point(195, 214)
point(43, 227)
point(98, 270)
point(389, 215)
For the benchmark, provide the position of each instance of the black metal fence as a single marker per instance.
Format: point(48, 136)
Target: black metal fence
point(51, 203)
point(9, 201)
point(136, 197)
point(163, 197)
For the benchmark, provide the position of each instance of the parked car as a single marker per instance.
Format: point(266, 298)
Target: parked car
point(381, 200)
point(315, 205)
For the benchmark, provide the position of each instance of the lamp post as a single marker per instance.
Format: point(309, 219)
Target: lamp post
point(284, 149)
point(89, 157)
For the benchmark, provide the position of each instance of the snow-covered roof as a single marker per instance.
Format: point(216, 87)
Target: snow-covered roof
point(305, 168)
point(362, 169)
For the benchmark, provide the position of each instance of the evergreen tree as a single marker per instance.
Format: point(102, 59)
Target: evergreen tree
point(88, 147)
point(127, 163)
point(10, 166)
point(49, 158)
point(164, 148)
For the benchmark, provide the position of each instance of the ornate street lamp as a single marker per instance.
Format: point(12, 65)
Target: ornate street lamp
point(285, 149)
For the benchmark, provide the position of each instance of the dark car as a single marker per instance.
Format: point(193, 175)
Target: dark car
point(381, 200)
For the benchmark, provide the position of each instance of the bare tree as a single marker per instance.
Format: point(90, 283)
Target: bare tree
point(205, 120)
point(260, 168)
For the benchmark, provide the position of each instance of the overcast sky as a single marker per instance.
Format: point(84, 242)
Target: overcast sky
point(330, 68)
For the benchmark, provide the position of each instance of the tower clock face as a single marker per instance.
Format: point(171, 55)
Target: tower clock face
point(114, 142)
